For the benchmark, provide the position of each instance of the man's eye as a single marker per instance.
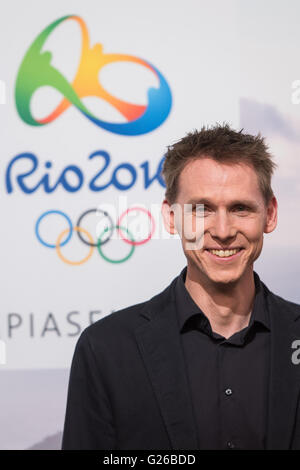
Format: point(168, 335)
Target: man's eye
point(200, 209)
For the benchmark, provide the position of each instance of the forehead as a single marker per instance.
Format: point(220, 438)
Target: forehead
point(207, 178)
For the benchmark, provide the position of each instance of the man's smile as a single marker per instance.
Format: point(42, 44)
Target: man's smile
point(224, 255)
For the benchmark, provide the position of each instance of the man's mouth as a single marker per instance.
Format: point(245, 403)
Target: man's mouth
point(225, 253)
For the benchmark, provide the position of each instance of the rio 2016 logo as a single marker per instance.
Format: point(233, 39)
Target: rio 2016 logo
point(36, 71)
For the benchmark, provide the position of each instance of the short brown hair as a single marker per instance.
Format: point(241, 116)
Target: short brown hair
point(224, 145)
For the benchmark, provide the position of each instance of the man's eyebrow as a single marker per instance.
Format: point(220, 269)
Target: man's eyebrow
point(245, 202)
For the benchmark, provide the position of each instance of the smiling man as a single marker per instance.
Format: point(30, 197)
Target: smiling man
point(206, 363)
point(232, 192)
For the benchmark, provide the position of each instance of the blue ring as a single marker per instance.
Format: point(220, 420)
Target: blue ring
point(49, 245)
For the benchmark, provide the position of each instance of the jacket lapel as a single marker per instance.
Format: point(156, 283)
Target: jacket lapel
point(159, 343)
point(284, 375)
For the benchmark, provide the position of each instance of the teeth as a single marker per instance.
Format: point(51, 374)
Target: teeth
point(224, 254)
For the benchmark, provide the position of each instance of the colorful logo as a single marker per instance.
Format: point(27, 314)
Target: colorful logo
point(104, 237)
point(36, 71)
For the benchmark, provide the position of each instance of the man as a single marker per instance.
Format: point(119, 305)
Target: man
point(207, 363)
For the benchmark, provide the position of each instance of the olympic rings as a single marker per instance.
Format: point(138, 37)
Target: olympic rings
point(90, 241)
point(131, 242)
point(78, 230)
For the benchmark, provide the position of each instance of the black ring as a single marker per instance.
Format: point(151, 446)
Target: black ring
point(88, 212)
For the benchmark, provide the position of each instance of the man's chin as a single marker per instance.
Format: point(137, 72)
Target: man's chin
point(224, 279)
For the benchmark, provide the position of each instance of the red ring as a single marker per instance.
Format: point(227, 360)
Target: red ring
point(131, 242)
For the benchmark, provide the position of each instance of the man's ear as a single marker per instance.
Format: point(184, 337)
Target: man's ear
point(271, 219)
point(168, 217)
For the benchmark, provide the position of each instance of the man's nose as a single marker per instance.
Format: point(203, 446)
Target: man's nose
point(221, 225)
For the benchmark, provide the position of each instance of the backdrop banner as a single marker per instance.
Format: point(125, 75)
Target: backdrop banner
point(91, 95)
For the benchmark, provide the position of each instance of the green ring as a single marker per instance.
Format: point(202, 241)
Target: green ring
point(112, 260)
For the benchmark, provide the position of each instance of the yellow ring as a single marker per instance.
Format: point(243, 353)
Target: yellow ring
point(65, 260)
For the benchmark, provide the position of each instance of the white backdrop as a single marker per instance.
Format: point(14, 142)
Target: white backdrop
point(223, 61)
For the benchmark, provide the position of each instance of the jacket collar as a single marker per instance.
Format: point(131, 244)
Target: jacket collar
point(159, 342)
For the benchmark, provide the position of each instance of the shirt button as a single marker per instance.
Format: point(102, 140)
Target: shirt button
point(228, 391)
point(230, 445)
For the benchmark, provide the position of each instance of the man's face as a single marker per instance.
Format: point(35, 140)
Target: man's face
point(235, 216)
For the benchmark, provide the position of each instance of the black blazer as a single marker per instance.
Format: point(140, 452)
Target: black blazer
point(128, 384)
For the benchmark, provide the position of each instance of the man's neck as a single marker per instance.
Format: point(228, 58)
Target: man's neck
point(227, 307)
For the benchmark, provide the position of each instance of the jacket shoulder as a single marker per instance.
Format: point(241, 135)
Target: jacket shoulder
point(279, 302)
point(288, 304)
point(126, 320)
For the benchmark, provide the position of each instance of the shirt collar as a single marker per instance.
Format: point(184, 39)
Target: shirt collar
point(186, 307)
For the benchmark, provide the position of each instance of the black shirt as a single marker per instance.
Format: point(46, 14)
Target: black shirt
point(228, 377)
